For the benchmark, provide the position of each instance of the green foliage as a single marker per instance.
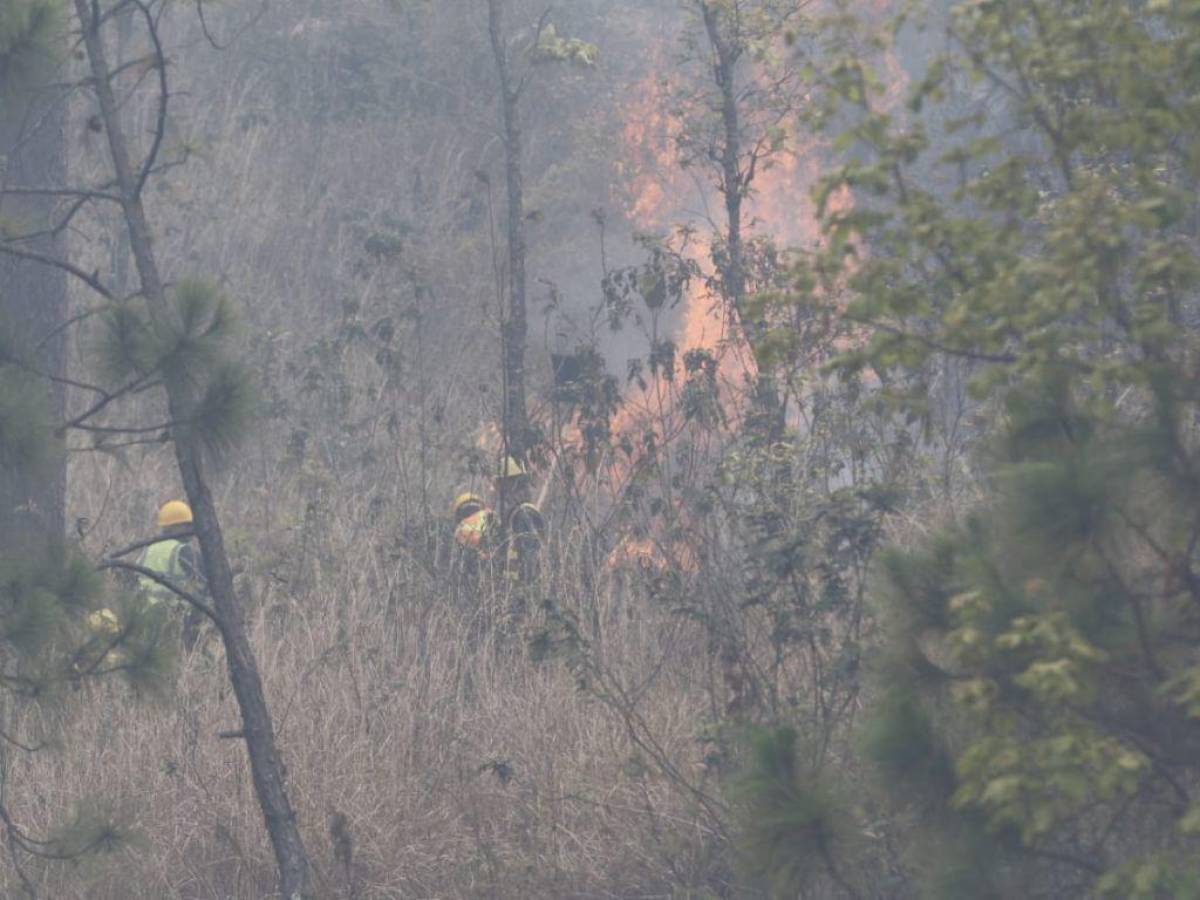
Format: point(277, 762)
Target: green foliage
point(1047, 627)
point(44, 607)
point(1043, 642)
point(29, 34)
point(226, 408)
point(195, 346)
point(27, 443)
point(791, 820)
point(59, 626)
point(551, 47)
point(124, 346)
point(194, 339)
point(144, 649)
point(661, 282)
point(1150, 878)
point(1070, 242)
point(197, 339)
point(901, 740)
point(94, 828)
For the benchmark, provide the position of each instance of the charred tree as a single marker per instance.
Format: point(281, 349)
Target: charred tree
point(266, 765)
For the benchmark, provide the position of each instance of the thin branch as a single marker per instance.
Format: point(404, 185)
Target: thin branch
point(59, 329)
point(1139, 617)
point(57, 228)
point(1067, 858)
point(537, 37)
point(79, 421)
point(262, 11)
point(125, 551)
point(100, 18)
point(59, 192)
point(55, 379)
point(108, 448)
point(20, 745)
point(160, 126)
point(131, 64)
point(29, 846)
point(121, 429)
point(159, 579)
point(91, 281)
point(936, 345)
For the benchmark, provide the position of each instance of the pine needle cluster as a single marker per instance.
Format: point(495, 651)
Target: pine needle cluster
point(196, 345)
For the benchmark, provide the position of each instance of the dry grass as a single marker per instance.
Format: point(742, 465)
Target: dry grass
point(461, 768)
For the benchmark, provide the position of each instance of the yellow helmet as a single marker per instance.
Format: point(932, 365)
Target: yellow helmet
point(462, 501)
point(176, 512)
point(511, 468)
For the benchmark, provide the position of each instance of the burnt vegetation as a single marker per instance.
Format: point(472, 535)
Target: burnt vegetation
point(626, 448)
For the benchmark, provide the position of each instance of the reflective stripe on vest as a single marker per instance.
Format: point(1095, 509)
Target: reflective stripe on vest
point(163, 558)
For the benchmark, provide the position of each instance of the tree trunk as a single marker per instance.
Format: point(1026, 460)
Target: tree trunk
point(266, 766)
point(769, 419)
point(516, 420)
point(33, 304)
point(731, 186)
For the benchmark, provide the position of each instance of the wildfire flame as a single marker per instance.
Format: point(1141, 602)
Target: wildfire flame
point(655, 192)
point(780, 205)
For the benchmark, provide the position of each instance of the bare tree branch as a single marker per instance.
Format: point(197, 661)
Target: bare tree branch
point(91, 281)
point(125, 551)
point(160, 125)
point(262, 11)
point(79, 422)
point(161, 580)
point(59, 192)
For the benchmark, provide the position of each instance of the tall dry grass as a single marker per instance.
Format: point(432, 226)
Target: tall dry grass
point(425, 760)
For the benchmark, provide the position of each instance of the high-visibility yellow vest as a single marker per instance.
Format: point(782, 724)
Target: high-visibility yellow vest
point(162, 557)
point(478, 532)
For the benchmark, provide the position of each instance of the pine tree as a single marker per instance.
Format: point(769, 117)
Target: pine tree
point(177, 338)
point(57, 621)
point(1036, 714)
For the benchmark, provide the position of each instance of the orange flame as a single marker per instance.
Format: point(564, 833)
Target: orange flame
point(655, 192)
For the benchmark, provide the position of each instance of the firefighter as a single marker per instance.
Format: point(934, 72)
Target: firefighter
point(475, 525)
point(523, 535)
point(476, 540)
point(512, 544)
point(174, 559)
point(526, 533)
point(479, 528)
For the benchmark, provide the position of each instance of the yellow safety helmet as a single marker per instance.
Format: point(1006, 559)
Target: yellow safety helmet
point(462, 501)
point(511, 468)
point(176, 512)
